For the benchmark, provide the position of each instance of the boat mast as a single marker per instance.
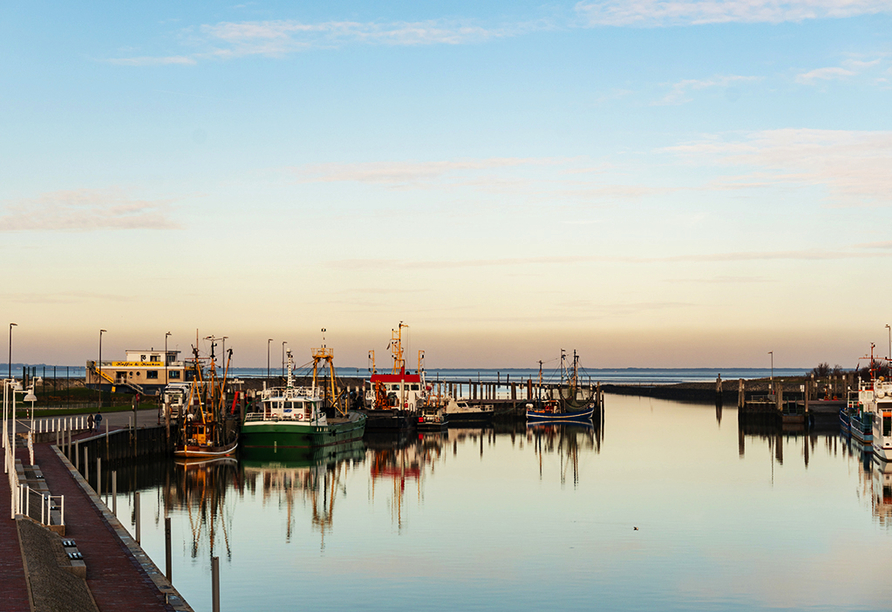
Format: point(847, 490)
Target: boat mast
point(396, 348)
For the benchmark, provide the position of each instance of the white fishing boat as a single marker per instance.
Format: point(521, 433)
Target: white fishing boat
point(293, 419)
point(875, 400)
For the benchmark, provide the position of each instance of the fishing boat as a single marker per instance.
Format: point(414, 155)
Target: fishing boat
point(855, 421)
point(203, 432)
point(568, 401)
point(394, 398)
point(432, 418)
point(875, 406)
point(464, 412)
point(294, 419)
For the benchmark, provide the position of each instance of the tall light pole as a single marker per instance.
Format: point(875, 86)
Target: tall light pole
point(283, 358)
point(101, 331)
point(223, 358)
point(11, 325)
point(772, 368)
point(890, 341)
point(268, 342)
point(166, 360)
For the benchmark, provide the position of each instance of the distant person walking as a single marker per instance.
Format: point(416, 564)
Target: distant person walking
point(90, 422)
point(98, 421)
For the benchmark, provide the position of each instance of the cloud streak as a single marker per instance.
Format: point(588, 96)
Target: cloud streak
point(86, 210)
point(279, 38)
point(402, 174)
point(852, 166)
point(738, 256)
point(663, 13)
point(679, 91)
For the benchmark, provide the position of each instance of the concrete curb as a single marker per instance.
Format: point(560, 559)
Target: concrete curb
point(163, 585)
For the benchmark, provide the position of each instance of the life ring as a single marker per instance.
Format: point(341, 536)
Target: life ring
point(300, 416)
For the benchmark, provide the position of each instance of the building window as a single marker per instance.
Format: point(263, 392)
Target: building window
point(174, 374)
point(152, 374)
point(142, 357)
point(155, 358)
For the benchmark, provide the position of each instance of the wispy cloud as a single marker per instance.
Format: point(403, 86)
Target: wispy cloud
point(736, 256)
point(153, 61)
point(279, 38)
point(852, 166)
point(848, 68)
point(660, 13)
point(678, 93)
point(85, 210)
point(403, 174)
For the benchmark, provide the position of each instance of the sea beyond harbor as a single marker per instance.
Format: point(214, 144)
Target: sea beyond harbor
point(631, 376)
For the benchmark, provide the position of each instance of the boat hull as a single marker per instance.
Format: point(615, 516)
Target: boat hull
point(192, 451)
point(302, 435)
point(388, 419)
point(477, 417)
point(575, 415)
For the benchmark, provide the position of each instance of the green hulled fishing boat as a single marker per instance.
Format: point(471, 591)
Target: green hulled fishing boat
point(294, 419)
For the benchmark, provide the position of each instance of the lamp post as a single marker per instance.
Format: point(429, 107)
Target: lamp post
point(166, 360)
point(890, 341)
point(268, 342)
point(101, 331)
point(11, 325)
point(283, 358)
point(223, 358)
point(772, 369)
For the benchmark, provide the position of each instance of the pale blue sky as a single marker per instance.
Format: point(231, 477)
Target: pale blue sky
point(654, 183)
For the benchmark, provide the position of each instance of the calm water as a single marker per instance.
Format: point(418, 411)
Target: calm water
point(537, 519)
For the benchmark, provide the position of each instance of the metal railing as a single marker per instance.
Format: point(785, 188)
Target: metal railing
point(9, 463)
point(44, 506)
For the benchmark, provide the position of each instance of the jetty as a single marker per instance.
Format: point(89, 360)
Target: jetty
point(63, 549)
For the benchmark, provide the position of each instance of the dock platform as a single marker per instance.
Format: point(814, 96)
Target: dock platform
point(119, 575)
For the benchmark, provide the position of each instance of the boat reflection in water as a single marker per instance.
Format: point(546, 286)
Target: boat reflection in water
point(567, 440)
point(287, 476)
point(409, 461)
point(198, 489)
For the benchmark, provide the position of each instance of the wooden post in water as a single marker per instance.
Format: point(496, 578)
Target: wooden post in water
point(741, 395)
point(99, 476)
point(215, 584)
point(807, 391)
point(136, 513)
point(86, 465)
point(718, 388)
point(168, 555)
point(114, 492)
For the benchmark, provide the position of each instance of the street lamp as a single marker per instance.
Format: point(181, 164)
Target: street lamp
point(772, 368)
point(11, 325)
point(283, 358)
point(890, 341)
point(101, 331)
point(166, 360)
point(267, 360)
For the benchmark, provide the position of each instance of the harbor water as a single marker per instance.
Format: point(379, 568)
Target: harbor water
point(659, 506)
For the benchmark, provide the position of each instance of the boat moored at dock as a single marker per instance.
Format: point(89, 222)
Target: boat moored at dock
point(568, 401)
point(294, 418)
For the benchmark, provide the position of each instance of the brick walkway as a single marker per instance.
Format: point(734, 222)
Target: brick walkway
point(116, 579)
point(13, 587)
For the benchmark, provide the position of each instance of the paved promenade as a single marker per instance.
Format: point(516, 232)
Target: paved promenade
point(117, 579)
point(13, 587)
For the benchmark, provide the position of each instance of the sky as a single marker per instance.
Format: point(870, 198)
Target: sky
point(654, 183)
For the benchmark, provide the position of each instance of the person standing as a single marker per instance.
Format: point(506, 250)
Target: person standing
point(90, 421)
point(98, 420)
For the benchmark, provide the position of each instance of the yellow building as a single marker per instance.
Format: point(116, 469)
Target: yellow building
point(143, 371)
